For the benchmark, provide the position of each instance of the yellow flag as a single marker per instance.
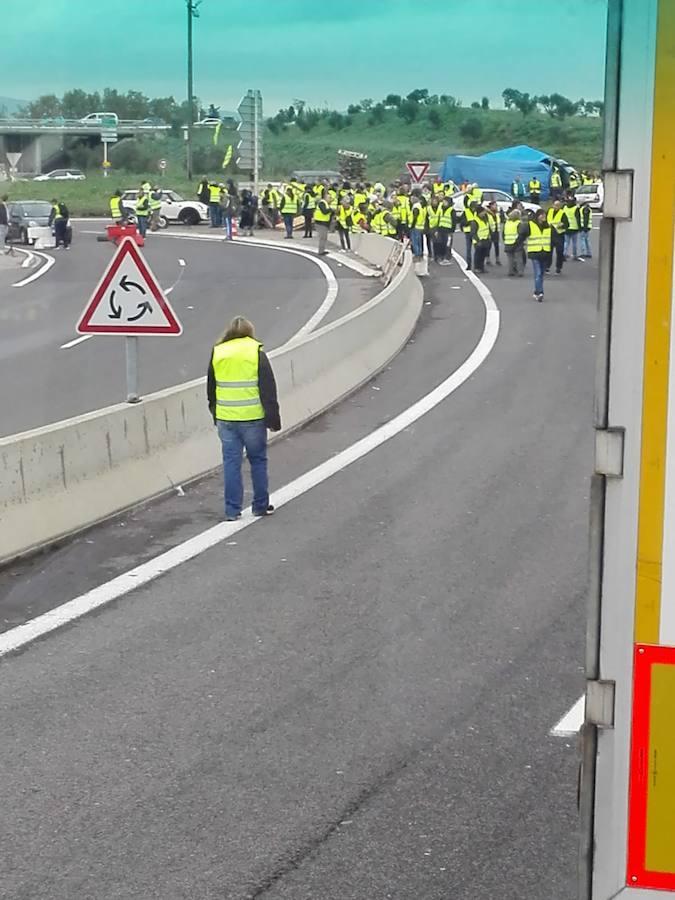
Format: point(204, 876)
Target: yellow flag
point(227, 157)
point(216, 133)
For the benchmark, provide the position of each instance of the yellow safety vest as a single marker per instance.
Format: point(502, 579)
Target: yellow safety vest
point(570, 213)
point(310, 200)
point(555, 219)
point(319, 215)
point(155, 203)
point(214, 193)
point(511, 232)
point(357, 222)
point(574, 181)
point(289, 205)
point(235, 366)
point(438, 187)
point(556, 180)
point(535, 185)
point(434, 216)
point(476, 195)
point(143, 205)
point(447, 217)
point(360, 198)
point(116, 207)
point(466, 228)
point(539, 240)
point(344, 214)
point(421, 216)
point(332, 199)
point(493, 222)
point(483, 230)
point(56, 207)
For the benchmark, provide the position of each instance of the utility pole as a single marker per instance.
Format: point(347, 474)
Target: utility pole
point(192, 13)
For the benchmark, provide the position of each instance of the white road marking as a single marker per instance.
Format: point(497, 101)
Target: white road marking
point(49, 262)
point(85, 337)
point(24, 634)
point(572, 721)
point(28, 260)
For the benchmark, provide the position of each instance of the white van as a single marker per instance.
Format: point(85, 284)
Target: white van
point(100, 118)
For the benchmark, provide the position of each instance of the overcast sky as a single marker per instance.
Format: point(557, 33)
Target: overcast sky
point(322, 51)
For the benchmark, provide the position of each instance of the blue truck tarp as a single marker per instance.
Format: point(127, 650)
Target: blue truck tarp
point(499, 168)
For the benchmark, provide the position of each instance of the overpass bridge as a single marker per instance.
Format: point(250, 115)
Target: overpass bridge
point(36, 139)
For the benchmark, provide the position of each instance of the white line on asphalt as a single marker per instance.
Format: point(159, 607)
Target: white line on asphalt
point(85, 337)
point(329, 275)
point(49, 262)
point(100, 596)
point(572, 721)
point(28, 260)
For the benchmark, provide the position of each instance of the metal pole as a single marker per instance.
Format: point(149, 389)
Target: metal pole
point(256, 161)
point(190, 11)
point(105, 159)
point(131, 347)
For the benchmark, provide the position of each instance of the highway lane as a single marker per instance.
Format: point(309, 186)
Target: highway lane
point(353, 700)
point(44, 383)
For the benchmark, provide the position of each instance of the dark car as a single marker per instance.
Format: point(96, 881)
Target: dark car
point(24, 215)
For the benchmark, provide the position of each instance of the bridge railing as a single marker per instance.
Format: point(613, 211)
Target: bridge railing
point(58, 123)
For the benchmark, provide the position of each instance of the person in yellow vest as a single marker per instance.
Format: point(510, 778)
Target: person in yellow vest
point(494, 221)
point(214, 205)
point(446, 227)
point(475, 194)
point(437, 187)
point(538, 234)
point(556, 184)
point(573, 182)
point(344, 223)
point(558, 222)
point(242, 398)
point(308, 207)
point(570, 213)
point(466, 224)
point(513, 244)
point(322, 220)
point(418, 224)
point(117, 211)
point(482, 242)
point(360, 196)
point(534, 188)
point(142, 212)
point(360, 219)
point(449, 188)
point(289, 210)
point(155, 207)
point(434, 213)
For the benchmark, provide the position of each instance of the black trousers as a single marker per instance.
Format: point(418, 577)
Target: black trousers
point(480, 253)
point(309, 223)
point(558, 251)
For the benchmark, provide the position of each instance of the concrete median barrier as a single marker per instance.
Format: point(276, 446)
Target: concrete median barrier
point(64, 477)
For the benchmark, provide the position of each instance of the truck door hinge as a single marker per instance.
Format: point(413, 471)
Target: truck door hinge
point(618, 199)
point(600, 703)
point(609, 444)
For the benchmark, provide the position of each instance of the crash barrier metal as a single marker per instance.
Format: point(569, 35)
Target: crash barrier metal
point(394, 260)
point(61, 478)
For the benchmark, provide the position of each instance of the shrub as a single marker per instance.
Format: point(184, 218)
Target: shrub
point(471, 129)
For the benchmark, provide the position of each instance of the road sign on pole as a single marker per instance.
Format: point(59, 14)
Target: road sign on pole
point(417, 170)
point(249, 148)
point(162, 164)
point(128, 299)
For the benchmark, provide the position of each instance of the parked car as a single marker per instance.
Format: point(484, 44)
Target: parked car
point(25, 215)
point(593, 194)
point(62, 175)
point(209, 121)
point(101, 118)
point(174, 208)
point(503, 200)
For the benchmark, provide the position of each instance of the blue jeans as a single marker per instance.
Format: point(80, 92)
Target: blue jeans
point(538, 267)
point(142, 225)
point(571, 238)
point(469, 247)
point(215, 214)
point(416, 239)
point(288, 222)
point(227, 221)
point(235, 437)
point(585, 243)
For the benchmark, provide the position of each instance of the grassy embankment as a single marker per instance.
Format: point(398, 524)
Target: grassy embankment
point(388, 145)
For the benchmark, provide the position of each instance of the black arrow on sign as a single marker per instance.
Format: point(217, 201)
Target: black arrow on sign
point(116, 310)
point(142, 309)
point(125, 284)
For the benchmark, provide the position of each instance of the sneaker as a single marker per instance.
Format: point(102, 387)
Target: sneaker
point(264, 512)
point(580, 259)
point(498, 263)
point(535, 296)
point(233, 518)
point(558, 271)
point(540, 298)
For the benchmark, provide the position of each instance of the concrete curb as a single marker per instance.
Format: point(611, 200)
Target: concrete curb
point(64, 477)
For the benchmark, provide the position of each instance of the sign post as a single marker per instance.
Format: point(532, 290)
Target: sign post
point(129, 301)
point(249, 148)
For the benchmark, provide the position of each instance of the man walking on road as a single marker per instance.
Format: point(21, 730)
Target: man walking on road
point(242, 398)
point(58, 218)
point(538, 233)
point(4, 223)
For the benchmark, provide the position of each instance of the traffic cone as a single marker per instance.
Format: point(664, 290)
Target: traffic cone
point(235, 228)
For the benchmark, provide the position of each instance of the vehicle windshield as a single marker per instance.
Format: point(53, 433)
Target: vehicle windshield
point(172, 195)
point(36, 209)
point(588, 189)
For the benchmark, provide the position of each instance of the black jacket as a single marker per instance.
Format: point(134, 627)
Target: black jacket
point(268, 391)
point(4, 220)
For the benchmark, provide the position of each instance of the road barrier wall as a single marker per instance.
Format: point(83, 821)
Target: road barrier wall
point(61, 478)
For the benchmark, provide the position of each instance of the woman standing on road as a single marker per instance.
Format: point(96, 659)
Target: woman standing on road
point(538, 234)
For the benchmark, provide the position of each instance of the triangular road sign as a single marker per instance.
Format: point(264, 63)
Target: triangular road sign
point(128, 299)
point(417, 170)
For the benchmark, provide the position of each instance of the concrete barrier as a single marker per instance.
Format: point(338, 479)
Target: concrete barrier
point(64, 477)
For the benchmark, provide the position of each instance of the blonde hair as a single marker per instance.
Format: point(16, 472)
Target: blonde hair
point(239, 327)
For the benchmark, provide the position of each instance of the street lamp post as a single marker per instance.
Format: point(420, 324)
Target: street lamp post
point(192, 13)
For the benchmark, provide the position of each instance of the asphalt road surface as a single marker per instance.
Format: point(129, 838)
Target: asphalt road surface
point(47, 375)
point(351, 700)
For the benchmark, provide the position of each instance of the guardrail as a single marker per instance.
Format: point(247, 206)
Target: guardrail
point(59, 124)
point(64, 477)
